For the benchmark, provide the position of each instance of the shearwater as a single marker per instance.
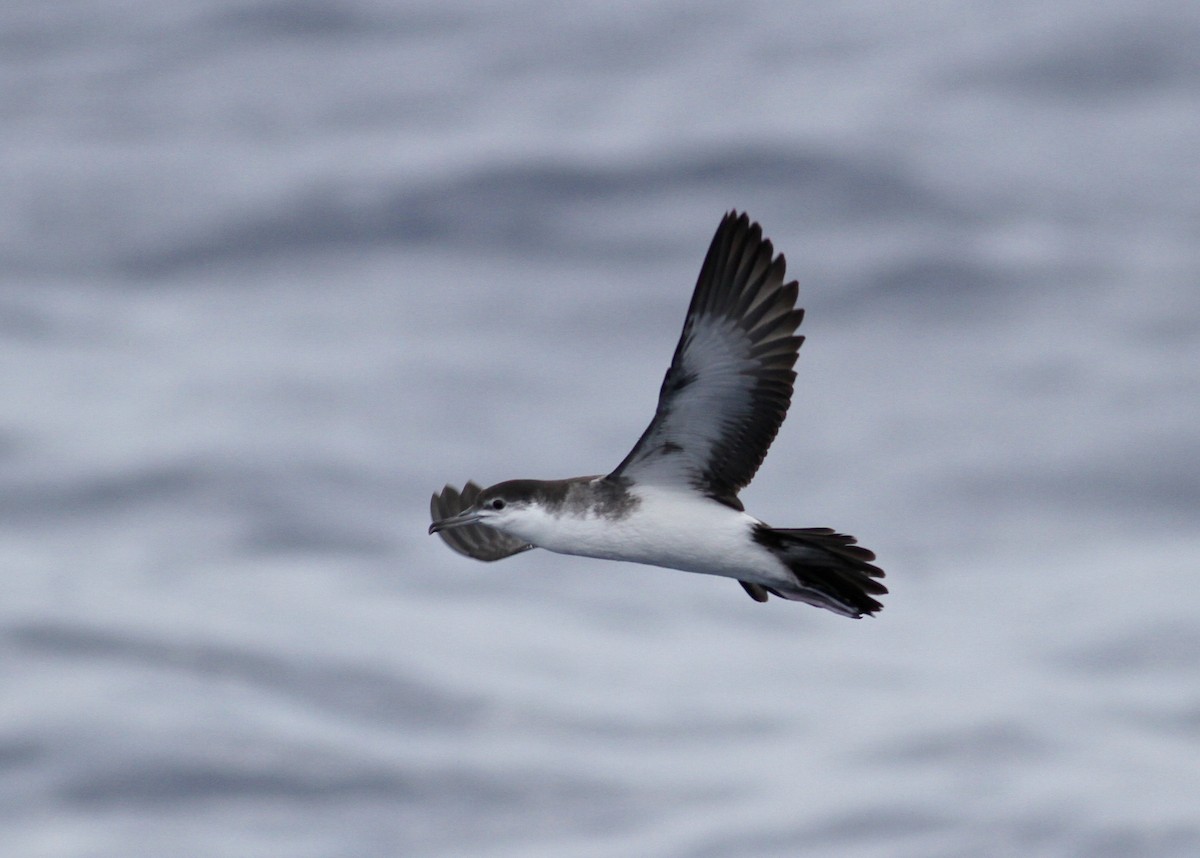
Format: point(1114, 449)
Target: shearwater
point(673, 501)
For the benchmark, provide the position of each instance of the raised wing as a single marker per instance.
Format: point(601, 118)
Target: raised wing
point(730, 382)
point(474, 540)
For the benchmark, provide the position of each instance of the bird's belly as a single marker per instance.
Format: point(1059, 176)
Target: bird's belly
point(694, 536)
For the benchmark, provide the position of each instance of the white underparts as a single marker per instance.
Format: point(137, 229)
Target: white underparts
point(673, 528)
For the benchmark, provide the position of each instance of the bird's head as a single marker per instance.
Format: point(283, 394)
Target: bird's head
point(501, 506)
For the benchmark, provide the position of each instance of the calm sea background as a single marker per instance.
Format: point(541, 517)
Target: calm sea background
point(273, 272)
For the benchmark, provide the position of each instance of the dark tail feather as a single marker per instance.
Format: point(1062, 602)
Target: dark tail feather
point(831, 571)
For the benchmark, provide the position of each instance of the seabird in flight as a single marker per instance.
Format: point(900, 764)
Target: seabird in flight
point(673, 501)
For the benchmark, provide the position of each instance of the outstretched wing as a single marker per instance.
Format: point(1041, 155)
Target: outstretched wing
point(473, 540)
point(730, 382)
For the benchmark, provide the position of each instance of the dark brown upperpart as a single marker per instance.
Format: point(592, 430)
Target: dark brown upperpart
point(606, 497)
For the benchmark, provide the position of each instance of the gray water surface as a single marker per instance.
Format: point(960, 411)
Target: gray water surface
point(271, 273)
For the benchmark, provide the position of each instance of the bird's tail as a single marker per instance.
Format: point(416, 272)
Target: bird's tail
point(831, 571)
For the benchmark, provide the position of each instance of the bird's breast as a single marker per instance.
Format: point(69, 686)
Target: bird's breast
point(674, 529)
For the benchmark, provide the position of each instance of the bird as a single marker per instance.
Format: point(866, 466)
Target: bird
point(673, 500)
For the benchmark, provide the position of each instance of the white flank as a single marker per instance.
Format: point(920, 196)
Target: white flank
point(673, 528)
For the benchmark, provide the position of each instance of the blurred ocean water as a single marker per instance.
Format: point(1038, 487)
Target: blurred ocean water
point(271, 273)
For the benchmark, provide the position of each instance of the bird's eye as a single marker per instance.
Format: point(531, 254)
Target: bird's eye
point(497, 504)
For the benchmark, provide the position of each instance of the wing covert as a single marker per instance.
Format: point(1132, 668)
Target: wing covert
point(729, 385)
